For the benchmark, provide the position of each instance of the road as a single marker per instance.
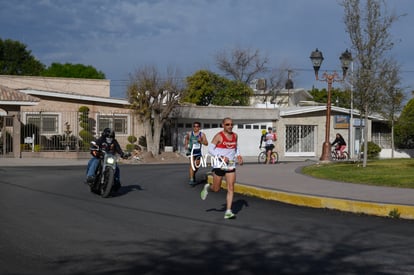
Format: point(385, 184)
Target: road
point(51, 224)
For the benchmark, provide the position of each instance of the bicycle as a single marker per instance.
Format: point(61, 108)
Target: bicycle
point(274, 157)
point(336, 155)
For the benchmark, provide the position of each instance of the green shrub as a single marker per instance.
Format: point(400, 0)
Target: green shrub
point(373, 150)
point(130, 147)
point(395, 214)
point(37, 148)
point(132, 139)
point(85, 122)
point(87, 137)
point(84, 109)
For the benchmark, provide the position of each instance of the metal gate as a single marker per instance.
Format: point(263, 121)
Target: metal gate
point(6, 136)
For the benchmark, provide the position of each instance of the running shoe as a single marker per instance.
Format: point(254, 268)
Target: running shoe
point(229, 214)
point(204, 192)
point(192, 182)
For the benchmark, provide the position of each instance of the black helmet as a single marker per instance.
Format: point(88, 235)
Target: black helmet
point(108, 133)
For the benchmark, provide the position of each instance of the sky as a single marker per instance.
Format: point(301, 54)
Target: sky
point(118, 37)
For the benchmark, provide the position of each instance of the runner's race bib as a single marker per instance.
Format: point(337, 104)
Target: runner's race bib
point(231, 165)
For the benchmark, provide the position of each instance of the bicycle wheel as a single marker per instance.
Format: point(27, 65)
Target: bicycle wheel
point(333, 155)
point(274, 157)
point(345, 155)
point(261, 159)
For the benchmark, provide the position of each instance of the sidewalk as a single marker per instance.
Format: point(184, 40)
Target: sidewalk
point(283, 182)
point(9, 162)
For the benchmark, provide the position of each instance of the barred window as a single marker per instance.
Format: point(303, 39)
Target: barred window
point(47, 123)
point(300, 138)
point(118, 123)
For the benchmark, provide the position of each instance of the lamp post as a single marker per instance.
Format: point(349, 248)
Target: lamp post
point(351, 120)
point(317, 58)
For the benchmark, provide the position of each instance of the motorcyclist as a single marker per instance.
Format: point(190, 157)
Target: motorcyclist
point(106, 142)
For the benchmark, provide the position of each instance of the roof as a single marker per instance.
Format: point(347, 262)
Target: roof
point(10, 96)
point(76, 96)
point(292, 111)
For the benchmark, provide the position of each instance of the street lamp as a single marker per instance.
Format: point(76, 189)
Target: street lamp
point(317, 58)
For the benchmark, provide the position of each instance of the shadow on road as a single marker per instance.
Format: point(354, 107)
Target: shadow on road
point(265, 253)
point(128, 188)
point(236, 207)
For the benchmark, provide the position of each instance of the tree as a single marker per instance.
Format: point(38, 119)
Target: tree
point(202, 87)
point(235, 93)
point(339, 98)
point(392, 98)
point(153, 98)
point(368, 28)
point(16, 59)
point(277, 81)
point(73, 70)
point(243, 65)
point(404, 128)
point(205, 88)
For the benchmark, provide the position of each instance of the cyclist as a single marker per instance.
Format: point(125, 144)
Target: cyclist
point(340, 145)
point(269, 138)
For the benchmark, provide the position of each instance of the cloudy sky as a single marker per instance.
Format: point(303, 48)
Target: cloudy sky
point(119, 36)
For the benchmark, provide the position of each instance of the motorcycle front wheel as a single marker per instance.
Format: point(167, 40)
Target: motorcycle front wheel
point(108, 182)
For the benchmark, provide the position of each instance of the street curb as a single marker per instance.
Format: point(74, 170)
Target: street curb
point(346, 205)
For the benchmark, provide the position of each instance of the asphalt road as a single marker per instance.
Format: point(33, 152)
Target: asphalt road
point(51, 224)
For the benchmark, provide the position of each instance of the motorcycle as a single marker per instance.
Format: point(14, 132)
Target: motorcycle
point(104, 182)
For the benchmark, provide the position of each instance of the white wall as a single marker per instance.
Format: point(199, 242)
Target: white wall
point(386, 153)
point(248, 139)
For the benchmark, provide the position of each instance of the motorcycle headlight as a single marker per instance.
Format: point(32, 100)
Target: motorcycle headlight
point(110, 160)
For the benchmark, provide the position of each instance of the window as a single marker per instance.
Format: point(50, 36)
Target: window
point(9, 122)
point(118, 123)
point(47, 123)
point(300, 140)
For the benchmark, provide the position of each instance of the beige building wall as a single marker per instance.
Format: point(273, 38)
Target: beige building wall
point(303, 119)
point(93, 87)
point(72, 105)
point(67, 111)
